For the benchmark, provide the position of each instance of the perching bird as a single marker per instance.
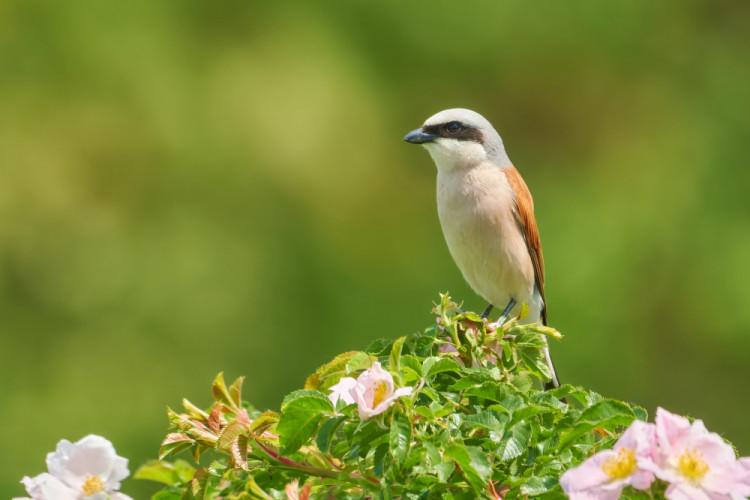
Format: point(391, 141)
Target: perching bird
point(487, 214)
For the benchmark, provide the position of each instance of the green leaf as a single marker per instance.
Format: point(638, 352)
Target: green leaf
point(528, 339)
point(472, 378)
point(327, 432)
point(434, 365)
point(379, 459)
point(220, 391)
point(536, 485)
point(360, 361)
point(400, 438)
point(166, 495)
point(489, 390)
point(444, 470)
point(394, 361)
point(487, 419)
point(522, 383)
point(607, 414)
point(412, 363)
point(166, 472)
point(331, 372)
point(379, 347)
point(264, 421)
point(238, 450)
point(514, 441)
point(535, 362)
point(235, 392)
point(640, 413)
point(473, 463)
point(230, 433)
point(175, 442)
point(301, 412)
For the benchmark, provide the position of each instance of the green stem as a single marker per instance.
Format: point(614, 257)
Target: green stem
point(309, 469)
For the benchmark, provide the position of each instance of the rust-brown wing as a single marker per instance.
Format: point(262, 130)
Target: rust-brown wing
point(524, 212)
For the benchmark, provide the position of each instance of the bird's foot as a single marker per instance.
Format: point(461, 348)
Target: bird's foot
point(504, 316)
point(487, 311)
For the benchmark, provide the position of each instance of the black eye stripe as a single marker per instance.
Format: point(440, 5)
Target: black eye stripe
point(462, 133)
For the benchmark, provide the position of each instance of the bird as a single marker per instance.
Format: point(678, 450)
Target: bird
point(487, 215)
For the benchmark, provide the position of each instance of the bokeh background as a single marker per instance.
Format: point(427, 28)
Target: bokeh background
point(190, 187)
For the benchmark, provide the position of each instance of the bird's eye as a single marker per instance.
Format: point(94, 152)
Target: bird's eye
point(453, 127)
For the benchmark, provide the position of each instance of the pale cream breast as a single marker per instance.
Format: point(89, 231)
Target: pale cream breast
point(476, 209)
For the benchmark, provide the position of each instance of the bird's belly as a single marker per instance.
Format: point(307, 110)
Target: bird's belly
point(496, 265)
point(488, 247)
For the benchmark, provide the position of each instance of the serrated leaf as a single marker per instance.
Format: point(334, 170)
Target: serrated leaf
point(331, 372)
point(379, 347)
point(489, 390)
point(238, 450)
point(400, 438)
point(360, 361)
point(486, 419)
point(301, 412)
point(214, 418)
point(472, 379)
point(264, 421)
point(514, 441)
point(536, 485)
point(535, 362)
point(640, 413)
point(608, 410)
point(230, 433)
point(175, 442)
point(566, 391)
point(473, 463)
point(529, 339)
point(411, 363)
point(199, 483)
point(434, 365)
point(607, 414)
point(235, 392)
point(522, 383)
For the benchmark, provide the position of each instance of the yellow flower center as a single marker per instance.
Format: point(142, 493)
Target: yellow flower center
point(92, 485)
point(691, 465)
point(378, 394)
point(621, 465)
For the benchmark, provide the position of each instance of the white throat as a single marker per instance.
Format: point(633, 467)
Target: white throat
point(450, 154)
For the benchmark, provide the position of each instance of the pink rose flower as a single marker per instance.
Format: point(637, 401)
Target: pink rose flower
point(373, 391)
point(604, 475)
point(698, 464)
point(342, 391)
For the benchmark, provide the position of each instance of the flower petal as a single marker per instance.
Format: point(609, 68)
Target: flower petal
point(343, 391)
point(93, 455)
point(588, 475)
point(47, 487)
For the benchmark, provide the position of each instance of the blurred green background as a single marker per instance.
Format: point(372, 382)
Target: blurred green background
point(189, 187)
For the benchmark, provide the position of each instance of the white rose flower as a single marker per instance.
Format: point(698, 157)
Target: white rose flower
point(89, 469)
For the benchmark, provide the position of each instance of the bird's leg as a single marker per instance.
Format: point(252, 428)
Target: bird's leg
point(487, 311)
point(506, 312)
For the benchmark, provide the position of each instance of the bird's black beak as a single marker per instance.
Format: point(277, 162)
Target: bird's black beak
point(419, 137)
